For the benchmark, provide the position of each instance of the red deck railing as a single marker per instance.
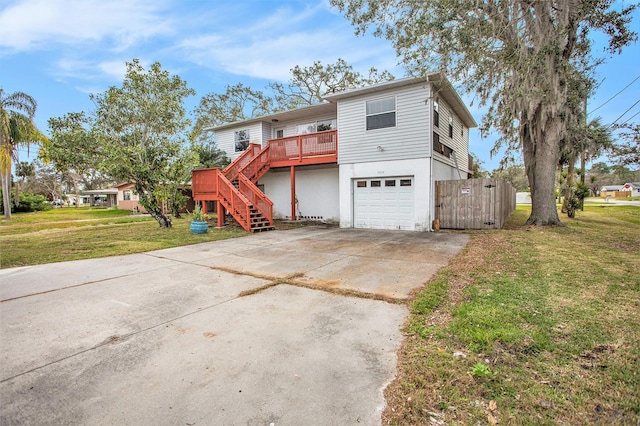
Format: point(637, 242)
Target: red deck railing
point(231, 171)
point(258, 166)
point(211, 184)
point(312, 148)
point(256, 197)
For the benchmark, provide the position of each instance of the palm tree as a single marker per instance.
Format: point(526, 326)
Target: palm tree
point(16, 128)
point(211, 156)
point(586, 142)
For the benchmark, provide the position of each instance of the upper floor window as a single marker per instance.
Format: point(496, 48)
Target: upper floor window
point(326, 125)
point(241, 139)
point(440, 147)
point(303, 129)
point(436, 113)
point(318, 126)
point(450, 127)
point(381, 113)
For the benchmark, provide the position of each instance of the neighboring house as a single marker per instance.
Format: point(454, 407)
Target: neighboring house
point(367, 158)
point(633, 188)
point(71, 200)
point(613, 191)
point(128, 199)
point(101, 197)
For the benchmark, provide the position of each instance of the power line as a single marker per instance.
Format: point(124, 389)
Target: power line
point(622, 115)
point(611, 98)
point(630, 118)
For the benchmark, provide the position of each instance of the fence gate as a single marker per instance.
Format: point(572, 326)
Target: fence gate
point(474, 203)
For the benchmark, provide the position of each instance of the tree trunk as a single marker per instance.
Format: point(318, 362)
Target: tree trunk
point(6, 194)
point(568, 183)
point(162, 219)
point(77, 190)
point(541, 155)
point(151, 205)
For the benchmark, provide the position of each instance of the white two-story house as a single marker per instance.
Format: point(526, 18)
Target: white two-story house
point(366, 158)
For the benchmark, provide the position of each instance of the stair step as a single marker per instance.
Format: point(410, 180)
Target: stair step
point(267, 227)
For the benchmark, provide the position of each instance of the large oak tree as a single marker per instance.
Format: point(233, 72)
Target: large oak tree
point(308, 85)
point(529, 61)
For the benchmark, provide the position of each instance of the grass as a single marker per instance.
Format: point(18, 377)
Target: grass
point(71, 234)
point(528, 326)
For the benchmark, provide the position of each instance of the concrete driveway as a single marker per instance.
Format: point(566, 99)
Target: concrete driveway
point(281, 328)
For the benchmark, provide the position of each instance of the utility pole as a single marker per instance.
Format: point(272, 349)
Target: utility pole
point(583, 154)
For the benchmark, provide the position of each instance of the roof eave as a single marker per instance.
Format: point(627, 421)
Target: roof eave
point(279, 116)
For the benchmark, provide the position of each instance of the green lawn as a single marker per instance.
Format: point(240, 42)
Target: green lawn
point(529, 326)
point(70, 234)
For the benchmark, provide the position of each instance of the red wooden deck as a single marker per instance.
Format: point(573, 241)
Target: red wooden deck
point(244, 200)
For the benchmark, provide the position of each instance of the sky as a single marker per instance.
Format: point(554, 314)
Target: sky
point(60, 51)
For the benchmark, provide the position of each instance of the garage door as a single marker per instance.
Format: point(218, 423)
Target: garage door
point(385, 203)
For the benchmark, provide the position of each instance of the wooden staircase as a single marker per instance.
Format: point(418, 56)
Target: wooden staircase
point(235, 186)
point(239, 196)
point(259, 223)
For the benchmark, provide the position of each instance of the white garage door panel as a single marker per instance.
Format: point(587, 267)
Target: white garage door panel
point(385, 203)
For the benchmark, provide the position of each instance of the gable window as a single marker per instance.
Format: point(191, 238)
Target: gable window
point(241, 139)
point(381, 113)
point(440, 147)
point(436, 113)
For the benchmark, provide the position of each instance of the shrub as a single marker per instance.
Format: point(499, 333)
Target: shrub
point(30, 202)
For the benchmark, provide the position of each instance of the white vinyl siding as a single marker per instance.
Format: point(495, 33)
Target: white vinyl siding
point(266, 133)
point(458, 143)
point(408, 139)
point(316, 191)
point(225, 139)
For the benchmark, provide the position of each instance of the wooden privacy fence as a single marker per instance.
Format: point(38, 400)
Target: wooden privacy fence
point(474, 203)
point(615, 194)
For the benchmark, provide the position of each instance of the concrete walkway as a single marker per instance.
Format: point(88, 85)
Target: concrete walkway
point(285, 328)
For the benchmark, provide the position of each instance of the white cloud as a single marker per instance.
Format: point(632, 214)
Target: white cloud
point(271, 45)
point(38, 24)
